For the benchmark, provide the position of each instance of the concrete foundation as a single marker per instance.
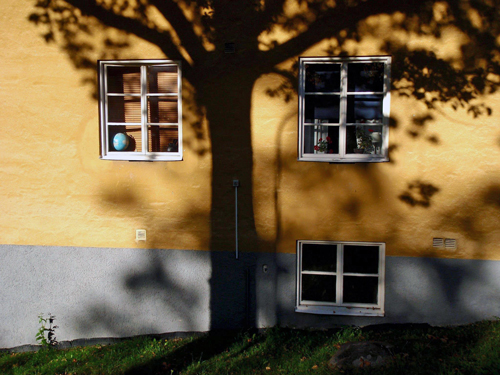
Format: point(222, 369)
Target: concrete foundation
point(105, 292)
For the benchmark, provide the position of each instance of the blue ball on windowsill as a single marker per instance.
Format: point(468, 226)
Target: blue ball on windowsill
point(120, 141)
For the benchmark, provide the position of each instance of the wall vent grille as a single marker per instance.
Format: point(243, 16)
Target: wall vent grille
point(229, 48)
point(438, 242)
point(450, 243)
point(140, 235)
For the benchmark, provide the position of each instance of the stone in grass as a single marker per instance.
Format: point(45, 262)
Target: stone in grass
point(361, 354)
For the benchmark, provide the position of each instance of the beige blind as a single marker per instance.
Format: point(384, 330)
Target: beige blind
point(124, 80)
point(162, 79)
point(162, 110)
point(125, 109)
point(160, 138)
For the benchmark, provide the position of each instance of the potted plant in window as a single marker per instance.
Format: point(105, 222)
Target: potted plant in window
point(322, 146)
point(364, 141)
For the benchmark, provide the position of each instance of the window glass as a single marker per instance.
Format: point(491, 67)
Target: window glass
point(316, 257)
point(321, 139)
point(322, 109)
point(321, 288)
point(322, 78)
point(364, 108)
point(124, 109)
point(360, 289)
point(361, 259)
point(133, 138)
point(124, 80)
point(162, 110)
point(163, 138)
point(162, 79)
point(365, 77)
point(364, 139)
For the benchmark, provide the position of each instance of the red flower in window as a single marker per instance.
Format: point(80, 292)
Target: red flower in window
point(320, 139)
point(316, 148)
point(330, 151)
point(328, 139)
point(370, 130)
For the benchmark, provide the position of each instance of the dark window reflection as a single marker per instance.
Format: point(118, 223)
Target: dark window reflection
point(365, 77)
point(124, 79)
point(321, 132)
point(351, 141)
point(321, 288)
point(364, 108)
point(323, 78)
point(366, 137)
point(317, 257)
point(360, 289)
point(322, 109)
point(361, 259)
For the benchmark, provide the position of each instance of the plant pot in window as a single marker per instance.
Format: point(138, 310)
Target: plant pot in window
point(376, 137)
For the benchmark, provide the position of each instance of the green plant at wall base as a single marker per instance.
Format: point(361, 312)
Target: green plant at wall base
point(46, 335)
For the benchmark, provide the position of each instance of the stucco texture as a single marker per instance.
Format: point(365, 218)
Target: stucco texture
point(442, 179)
point(106, 292)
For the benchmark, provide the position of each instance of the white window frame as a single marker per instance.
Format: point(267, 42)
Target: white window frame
point(143, 155)
point(342, 156)
point(340, 308)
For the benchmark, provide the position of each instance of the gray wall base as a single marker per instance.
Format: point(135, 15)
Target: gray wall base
point(101, 292)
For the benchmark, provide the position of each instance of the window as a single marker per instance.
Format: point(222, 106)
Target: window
point(140, 110)
point(344, 109)
point(340, 278)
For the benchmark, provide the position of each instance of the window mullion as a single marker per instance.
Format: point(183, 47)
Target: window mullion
point(104, 115)
point(299, 275)
point(343, 110)
point(144, 109)
point(302, 98)
point(340, 274)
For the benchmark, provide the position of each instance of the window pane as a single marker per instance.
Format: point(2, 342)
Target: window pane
point(360, 289)
point(162, 79)
point(364, 108)
point(163, 138)
point(124, 109)
point(124, 80)
point(321, 288)
point(365, 77)
point(329, 136)
point(162, 110)
point(322, 108)
point(132, 135)
point(323, 78)
point(361, 259)
point(316, 257)
point(364, 139)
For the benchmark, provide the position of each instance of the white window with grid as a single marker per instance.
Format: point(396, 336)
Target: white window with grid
point(344, 105)
point(140, 110)
point(340, 278)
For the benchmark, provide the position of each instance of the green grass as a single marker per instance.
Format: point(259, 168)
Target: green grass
point(469, 349)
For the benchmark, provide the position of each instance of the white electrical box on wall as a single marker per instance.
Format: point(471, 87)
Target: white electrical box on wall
point(140, 234)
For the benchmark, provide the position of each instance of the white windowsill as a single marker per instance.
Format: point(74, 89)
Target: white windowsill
point(340, 310)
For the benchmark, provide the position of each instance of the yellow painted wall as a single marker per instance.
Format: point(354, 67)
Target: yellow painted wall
point(55, 191)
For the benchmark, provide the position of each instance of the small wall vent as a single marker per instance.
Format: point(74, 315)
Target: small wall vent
point(229, 48)
point(140, 235)
point(450, 244)
point(438, 242)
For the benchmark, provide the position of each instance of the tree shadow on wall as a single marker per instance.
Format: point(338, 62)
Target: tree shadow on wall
point(196, 32)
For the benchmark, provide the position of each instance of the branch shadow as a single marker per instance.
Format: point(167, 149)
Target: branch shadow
point(220, 95)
